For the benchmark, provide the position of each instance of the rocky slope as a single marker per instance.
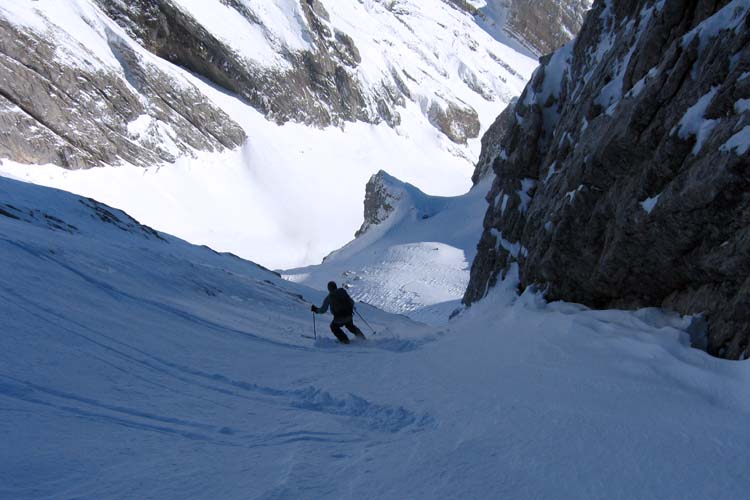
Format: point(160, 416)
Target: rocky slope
point(106, 80)
point(78, 106)
point(544, 26)
point(538, 27)
point(313, 82)
point(622, 178)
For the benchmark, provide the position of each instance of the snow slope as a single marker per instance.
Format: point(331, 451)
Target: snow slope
point(133, 365)
point(293, 193)
point(416, 261)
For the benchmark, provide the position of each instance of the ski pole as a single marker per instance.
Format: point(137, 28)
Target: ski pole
point(366, 323)
point(315, 329)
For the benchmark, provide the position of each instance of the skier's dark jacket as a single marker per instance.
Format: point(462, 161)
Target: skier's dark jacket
point(341, 304)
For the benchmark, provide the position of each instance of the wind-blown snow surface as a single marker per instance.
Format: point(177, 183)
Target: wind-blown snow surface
point(133, 365)
point(415, 262)
point(294, 193)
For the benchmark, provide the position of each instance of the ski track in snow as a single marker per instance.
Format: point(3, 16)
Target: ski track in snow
point(416, 261)
point(133, 366)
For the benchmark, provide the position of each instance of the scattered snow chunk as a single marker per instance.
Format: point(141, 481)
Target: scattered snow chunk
point(504, 204)
point(526, 185)
point(515, 249)
point(562, 140)
point(554, 73)
point(739, 142)
point(636, 90)
point(742, 105)
point(139, 126)
point(649, 203)
point(552, 169)
point(571, 195)
point(729, 17)
point(611, 93)
point(548, 226)
point(693, 122)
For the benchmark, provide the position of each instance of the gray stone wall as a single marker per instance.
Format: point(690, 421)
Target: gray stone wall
point(624, 181)
point(76, 117)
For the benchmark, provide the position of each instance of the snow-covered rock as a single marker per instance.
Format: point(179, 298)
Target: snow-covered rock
point(99, 65)
point(634, 137)
point(72, 83)
point(411, 255)
point(539, 27)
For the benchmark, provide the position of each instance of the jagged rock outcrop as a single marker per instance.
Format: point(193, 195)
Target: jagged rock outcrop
point(623, 180)
point(80, 114)
point(388, 199)
point(380, 200)
point(540, 26)
point(546, 25)
point(491, 148)
point(317, 86)
point(459, 123)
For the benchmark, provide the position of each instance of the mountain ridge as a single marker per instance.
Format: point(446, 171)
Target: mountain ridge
point(291, 61)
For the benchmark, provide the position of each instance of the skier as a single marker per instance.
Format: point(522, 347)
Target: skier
point(342, 308)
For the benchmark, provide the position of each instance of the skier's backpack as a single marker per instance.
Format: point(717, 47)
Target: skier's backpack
point(341, 303)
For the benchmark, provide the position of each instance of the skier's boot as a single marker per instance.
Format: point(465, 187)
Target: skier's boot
point(355, 330)
point(339, 333)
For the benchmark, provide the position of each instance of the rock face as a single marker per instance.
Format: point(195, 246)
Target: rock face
point(623, 179)
point(380, 200)
point(540, 26)
point(546, 25)
point(107, 81)
point(317, 85)
point(491, 148)
point(80, 113)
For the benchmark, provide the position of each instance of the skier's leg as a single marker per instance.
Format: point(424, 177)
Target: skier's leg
point(354, 329)
point(339, 333)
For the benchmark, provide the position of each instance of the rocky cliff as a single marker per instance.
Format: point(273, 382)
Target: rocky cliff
point(540, 26)
point(623, 175)
point(91, 82)
point(75, 106)
point(546, 25)
point(380, 199)
point(314, 84)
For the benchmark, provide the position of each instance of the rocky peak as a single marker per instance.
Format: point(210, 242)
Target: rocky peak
point(622, 179)
point(382, 193)
point(387, 199)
